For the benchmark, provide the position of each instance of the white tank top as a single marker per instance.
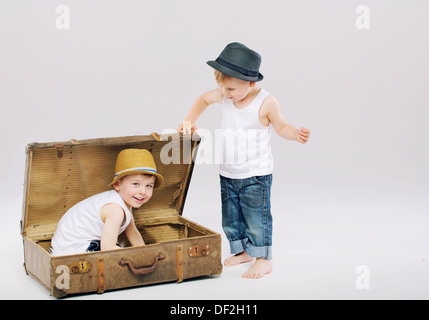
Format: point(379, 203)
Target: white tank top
point(245, 141)
point(82, 224)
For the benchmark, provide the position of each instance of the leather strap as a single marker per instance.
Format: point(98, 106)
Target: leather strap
point(101, 280)
point(179, 263)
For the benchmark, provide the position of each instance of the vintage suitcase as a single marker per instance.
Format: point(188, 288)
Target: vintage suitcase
point(59, 175)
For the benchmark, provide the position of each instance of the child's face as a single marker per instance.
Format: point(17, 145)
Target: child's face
point(135, 189)
point(235, 89)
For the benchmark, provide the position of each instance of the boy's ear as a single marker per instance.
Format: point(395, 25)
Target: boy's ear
point(252, 84)
point(116, 185)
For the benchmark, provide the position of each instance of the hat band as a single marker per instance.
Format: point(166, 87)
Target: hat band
point(136, 169)
point(237, 68)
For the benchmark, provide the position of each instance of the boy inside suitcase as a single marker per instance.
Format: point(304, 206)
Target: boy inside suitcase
point(95, 223)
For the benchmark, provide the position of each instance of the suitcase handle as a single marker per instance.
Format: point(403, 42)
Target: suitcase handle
point(144, 270)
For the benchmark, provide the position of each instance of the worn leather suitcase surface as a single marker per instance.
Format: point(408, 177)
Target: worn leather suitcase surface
point(59, 175)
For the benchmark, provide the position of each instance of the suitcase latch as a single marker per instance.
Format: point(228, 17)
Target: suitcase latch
point(198, 251)
point(80, 267)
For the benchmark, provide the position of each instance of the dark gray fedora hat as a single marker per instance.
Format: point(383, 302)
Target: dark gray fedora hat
point(238, 61)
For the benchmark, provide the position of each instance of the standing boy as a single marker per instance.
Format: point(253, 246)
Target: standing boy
point(250, 113)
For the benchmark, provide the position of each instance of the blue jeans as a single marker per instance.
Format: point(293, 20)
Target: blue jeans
point(246, 215)
point(95, 245)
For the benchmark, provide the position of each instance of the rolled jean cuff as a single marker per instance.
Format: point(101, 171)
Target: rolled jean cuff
point(238, 246)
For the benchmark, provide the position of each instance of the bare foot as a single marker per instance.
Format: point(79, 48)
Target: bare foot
point(260, 268)
point(237, 259)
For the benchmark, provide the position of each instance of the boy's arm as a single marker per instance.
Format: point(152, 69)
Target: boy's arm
point(112, 215)
point(271, 111)
point(134, 235)
point(198, 107)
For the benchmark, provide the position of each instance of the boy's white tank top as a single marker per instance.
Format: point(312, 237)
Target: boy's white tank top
point(245, 141)
point(82, 224)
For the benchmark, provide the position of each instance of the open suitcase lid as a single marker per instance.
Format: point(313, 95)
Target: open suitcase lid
point(59, 175)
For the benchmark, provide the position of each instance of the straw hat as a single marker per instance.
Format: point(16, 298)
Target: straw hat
point(136, 161)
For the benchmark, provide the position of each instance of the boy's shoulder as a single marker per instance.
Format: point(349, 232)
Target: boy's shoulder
point(101, 199)
point(213, 96)
point(103, 195)
point(111, 210)
point(269, 103)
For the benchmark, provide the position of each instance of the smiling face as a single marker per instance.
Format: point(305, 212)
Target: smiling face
point(235, 89)
point(135, 189)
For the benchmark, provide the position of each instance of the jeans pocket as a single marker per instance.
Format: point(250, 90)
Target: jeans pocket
point(255, 193)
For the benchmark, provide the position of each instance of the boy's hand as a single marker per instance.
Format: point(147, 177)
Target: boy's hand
point(187, 127)
point(303, 135)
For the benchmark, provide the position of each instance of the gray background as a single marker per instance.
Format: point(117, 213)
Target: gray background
point(356, 195)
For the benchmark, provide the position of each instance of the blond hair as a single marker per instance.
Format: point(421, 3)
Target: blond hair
point(220, 77)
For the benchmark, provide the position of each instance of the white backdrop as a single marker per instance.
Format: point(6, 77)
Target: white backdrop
point(356, 197)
